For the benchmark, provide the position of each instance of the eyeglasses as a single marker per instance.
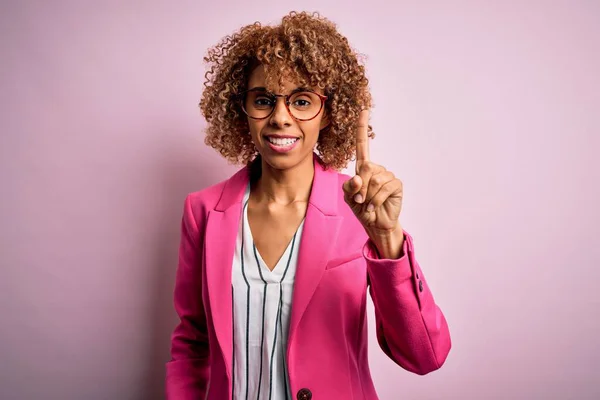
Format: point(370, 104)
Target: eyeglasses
point(302, 104)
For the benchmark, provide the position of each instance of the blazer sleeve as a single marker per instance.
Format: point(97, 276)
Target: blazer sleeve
point(411, 328)
point(188, 369)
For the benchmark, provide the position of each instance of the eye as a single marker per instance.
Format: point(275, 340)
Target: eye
point(263, 101)
point(302, 103)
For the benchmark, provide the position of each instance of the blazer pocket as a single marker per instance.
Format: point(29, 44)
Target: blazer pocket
point(342, 260)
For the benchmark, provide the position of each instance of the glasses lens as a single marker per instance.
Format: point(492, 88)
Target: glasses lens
point(303, 105)
point(258, 104)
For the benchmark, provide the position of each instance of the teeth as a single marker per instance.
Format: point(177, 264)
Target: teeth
point(281, 142)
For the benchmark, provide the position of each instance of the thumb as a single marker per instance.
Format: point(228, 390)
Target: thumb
point(353, 185)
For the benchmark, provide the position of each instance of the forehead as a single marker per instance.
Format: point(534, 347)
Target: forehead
point(258, 78)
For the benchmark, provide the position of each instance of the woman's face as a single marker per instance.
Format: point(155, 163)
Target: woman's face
point(282, 153)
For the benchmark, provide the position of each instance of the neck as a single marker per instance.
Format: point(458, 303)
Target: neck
point(285, 186)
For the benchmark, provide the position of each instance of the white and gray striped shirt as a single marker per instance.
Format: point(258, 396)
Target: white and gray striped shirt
point(262, 302)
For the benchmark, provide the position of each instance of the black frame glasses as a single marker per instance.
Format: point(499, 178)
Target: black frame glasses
point(286, 97)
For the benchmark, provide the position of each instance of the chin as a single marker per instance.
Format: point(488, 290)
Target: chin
point(283, 161)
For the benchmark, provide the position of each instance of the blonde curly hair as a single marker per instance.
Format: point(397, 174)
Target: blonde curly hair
point(305, 48)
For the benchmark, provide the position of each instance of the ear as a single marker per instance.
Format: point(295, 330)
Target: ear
point(324, 120)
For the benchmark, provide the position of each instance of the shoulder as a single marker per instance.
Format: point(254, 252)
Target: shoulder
point(200, 202)
point(207, 197)
point(342, 206)
point(342, 177)
point(352, 225)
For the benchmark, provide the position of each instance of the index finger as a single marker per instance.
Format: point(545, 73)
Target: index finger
point(362, 137)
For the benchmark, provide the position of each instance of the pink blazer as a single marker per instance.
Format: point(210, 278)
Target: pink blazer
point(327, 343)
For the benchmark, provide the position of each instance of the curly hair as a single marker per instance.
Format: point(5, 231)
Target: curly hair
point(306, 49)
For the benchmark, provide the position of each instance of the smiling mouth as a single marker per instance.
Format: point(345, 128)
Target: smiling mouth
point(281, 142)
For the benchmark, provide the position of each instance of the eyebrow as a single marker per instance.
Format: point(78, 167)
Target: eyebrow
point(298, 89)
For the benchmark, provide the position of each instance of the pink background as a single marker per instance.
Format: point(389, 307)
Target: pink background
point(488, 111)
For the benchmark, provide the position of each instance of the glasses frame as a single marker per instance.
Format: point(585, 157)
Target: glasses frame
point(242, 96)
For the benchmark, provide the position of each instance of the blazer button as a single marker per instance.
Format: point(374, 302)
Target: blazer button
point(420, 286)
point(304, 394)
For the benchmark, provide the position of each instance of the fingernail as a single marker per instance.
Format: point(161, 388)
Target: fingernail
point(370, 207)
point(358, 198)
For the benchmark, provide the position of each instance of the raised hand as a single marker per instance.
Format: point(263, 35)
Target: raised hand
point(374, 194)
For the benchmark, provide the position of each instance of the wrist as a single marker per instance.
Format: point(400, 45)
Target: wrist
point(389, 242)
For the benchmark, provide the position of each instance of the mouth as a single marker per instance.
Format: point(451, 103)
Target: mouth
point(281, 144)
point(281, 141)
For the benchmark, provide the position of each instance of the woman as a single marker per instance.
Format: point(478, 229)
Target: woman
point(275, 262)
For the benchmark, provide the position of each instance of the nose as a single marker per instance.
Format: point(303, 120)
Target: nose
point(280, 116)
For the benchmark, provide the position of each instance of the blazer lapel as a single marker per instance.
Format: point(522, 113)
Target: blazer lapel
point(321, 228)
point(220, 238)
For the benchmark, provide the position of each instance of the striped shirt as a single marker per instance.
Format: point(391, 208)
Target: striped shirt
point(262, 302)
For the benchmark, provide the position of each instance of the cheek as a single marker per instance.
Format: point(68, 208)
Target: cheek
point(312, 131)
point(255, 127)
